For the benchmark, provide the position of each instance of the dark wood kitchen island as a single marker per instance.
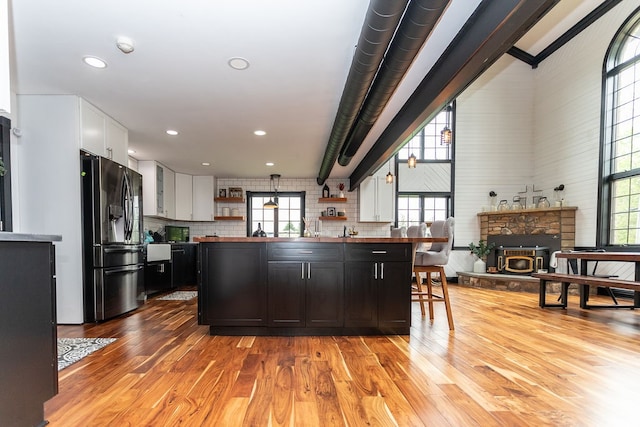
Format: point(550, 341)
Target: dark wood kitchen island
point(304, 286)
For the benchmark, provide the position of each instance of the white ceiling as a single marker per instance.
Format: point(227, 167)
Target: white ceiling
point(178, 77)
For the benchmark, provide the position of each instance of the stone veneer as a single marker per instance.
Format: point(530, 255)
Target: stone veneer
point(554, 221)
point(549, 221)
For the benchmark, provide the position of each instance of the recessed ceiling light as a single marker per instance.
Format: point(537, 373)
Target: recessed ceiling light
point(238, 63)
point(130, 151)
point(269, 163)
point(259, 132)
point(206, 164)
point(94, 62)
point(172, 132)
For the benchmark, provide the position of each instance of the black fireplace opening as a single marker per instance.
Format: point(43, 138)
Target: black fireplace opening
point(522, 254)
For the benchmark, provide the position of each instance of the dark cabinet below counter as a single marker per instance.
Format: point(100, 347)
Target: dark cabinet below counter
point(28, 349)
point(304, 288)
point(183, 258)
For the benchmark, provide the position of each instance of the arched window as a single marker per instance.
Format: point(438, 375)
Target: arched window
point(619, 214)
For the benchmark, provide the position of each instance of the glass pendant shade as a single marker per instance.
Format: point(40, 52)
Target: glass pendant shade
point(389, 178)
point(445, 136)
point(412, 161)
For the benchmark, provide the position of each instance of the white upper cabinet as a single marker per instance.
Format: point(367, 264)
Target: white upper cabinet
point(158, 189)
point(203, 198)
point(101, 135)
point(184, 197)
point(376, 198)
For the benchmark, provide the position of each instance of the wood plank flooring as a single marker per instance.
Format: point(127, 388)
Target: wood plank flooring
point(508, 363)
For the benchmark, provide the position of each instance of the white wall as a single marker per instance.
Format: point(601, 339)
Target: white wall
point(518, 126)
point(312, 209)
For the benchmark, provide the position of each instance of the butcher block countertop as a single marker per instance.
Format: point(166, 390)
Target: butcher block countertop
point(322, 239)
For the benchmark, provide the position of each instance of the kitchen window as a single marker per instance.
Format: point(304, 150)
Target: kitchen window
point(415, 209)
point(619, 217)
point(284, 221)
point(425, 193)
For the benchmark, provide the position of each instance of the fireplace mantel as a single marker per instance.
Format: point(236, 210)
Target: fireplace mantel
point(551, 221)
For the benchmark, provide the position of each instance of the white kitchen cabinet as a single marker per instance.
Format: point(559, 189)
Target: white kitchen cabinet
point(102, 135)
point(117, 142)
point(158, 189)
point(203, 208)
point(184, 197)
point(376, 200)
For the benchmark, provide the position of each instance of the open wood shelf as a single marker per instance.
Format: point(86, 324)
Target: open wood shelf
point(332, 218)
point(332, 200)
point(229, 199)
point(228, 218)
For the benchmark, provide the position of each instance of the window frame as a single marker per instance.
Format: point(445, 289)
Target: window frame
point(252, 194)
point(609, 108)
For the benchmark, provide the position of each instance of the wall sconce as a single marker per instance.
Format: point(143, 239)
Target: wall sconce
point(411, 162)
point(446, 135)
point(271, 204)
point(389, 178)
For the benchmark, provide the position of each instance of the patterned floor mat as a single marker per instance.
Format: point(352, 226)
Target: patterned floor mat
point(180, 296)
point(70, 350)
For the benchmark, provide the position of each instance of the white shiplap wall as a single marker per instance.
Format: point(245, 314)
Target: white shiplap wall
point(517, 126)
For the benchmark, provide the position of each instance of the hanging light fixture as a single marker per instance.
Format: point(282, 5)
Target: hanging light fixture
point(412, 161)
point(275, 183)
point(389, 178)
point(446, 135)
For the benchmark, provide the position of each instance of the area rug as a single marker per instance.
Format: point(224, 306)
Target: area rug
point(179, 296)
point(70, 350)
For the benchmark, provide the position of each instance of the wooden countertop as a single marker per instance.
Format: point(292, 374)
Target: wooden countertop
point(323, 239)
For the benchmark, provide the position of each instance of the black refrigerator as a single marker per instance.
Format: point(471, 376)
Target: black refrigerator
point(113, 251)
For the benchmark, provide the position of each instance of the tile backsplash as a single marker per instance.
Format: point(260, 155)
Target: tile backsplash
point(312, 210)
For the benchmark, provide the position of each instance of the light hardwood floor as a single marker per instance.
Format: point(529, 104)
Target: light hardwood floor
point(508, 363)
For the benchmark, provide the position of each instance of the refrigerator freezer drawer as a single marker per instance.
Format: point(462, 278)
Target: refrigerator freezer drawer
point(118, 290)
point(108, 256)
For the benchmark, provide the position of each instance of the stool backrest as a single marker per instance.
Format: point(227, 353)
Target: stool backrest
point(443, 229)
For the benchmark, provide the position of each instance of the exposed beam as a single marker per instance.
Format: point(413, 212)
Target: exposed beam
point(492, 29)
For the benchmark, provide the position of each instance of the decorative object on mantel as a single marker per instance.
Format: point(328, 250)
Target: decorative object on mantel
point(543, 203)
point(480, 251)
point(524, 199)
point(558, 198)
point(493, 196)
point(341, 188)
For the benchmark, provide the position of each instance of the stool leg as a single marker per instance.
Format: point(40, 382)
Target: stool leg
point(420, 296)
point(430, 294)
point(445, 295)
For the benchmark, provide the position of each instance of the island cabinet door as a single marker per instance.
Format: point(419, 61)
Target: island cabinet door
point(325, 294)
point(286, 294)
point(361, 295)
point(394, 289)
point(233, 284)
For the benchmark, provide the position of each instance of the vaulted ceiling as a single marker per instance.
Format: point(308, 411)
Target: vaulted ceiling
point(299, 58)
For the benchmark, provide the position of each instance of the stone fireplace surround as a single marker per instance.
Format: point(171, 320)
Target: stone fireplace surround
point(554, 227)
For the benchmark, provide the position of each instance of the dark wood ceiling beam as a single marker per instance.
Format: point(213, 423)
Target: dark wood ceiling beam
point(493, 28)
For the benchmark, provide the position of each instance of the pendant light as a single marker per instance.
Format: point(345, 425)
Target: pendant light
point(272, 203)
point(412, 161)
point(446, 135)
point(389, 178)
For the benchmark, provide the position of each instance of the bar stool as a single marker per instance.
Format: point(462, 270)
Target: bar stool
point(433, 261)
